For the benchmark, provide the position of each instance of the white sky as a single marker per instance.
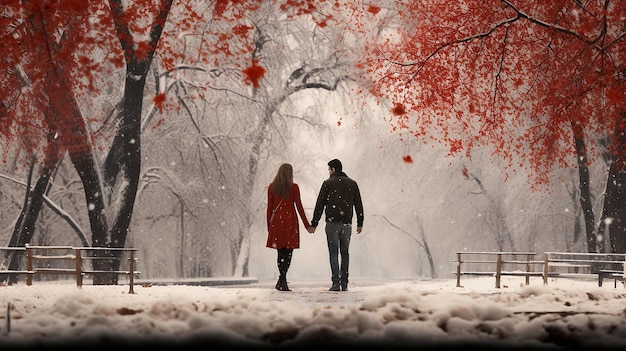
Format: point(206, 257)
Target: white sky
point(371, 313)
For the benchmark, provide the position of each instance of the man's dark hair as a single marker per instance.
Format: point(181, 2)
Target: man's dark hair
point(336, 164)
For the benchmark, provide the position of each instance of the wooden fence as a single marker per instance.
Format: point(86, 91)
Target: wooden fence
point(578, 265)
point(69, 260)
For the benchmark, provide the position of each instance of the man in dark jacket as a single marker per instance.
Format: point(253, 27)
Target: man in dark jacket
point(339, 195)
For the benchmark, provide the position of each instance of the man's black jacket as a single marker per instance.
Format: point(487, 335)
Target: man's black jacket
point(339, 195)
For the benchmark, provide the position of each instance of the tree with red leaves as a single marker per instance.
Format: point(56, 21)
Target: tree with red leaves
point(57, 56)
point(50, 44)
point(540, 82)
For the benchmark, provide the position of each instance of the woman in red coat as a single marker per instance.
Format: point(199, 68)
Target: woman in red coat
point(283, 228)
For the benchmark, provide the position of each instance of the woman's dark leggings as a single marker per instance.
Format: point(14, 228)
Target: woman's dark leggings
point(284, 260)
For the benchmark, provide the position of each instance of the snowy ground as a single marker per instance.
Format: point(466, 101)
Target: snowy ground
point(413, 314)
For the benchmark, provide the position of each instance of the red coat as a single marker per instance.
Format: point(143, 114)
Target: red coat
point(284, 231)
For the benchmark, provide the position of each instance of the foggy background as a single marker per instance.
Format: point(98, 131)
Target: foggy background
point(412, 209)
point(427, 203)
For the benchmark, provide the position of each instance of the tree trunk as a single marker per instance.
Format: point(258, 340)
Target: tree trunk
point(614, 212)
point(11, 256)
point(585, 194)
point(33, 202)
point(128, 162)
point(429, 255)
point(614, 215)
point(125, 154)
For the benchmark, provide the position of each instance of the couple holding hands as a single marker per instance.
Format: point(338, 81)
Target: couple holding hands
point(337, 198)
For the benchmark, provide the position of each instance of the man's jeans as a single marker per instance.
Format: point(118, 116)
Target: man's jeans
point(338, 238)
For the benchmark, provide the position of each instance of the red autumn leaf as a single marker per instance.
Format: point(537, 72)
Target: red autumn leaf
point(373, 9)
point(465, 172)
point(158, 101)
point(254, 73)
point(398, 109)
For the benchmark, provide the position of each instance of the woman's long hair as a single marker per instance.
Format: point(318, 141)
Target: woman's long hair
point(281, 185)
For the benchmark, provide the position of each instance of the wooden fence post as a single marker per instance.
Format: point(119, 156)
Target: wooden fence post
point(498, 270)
point(131, 268)
point(528, 259)
point(79, 268)
point(624, 272)
point(545, 269)
point(458, 270)
point(29, 265)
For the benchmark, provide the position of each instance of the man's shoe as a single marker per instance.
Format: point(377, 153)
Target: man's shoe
point(344, 287)
point(335, 287)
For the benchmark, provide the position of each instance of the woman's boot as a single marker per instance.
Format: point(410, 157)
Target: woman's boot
point(284, 286)
point(279, 283)
point(284, 261)
point(281, 268)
